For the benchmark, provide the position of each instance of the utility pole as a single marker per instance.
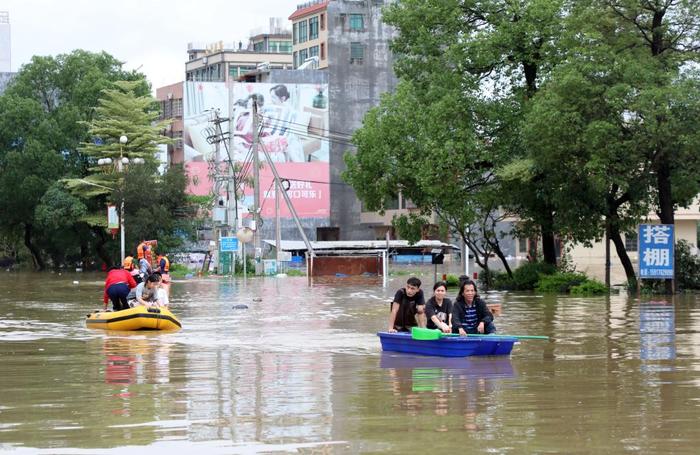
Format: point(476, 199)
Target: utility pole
point(278, 227)
point(257, 244)
point(231, 212)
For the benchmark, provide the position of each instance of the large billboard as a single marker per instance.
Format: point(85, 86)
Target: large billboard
point(294, 134)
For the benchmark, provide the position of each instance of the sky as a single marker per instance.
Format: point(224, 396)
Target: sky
point(149, 35)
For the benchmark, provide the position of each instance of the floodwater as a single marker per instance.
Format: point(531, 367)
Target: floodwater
point(301, 371)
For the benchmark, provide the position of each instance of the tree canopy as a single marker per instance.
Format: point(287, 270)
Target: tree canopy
point(579, 118)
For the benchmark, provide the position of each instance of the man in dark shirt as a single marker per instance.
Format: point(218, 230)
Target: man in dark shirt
point(408, 307)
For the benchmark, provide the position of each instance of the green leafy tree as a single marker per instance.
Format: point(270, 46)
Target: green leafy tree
point(468, 71)
point(40, 129)
point(121, 112)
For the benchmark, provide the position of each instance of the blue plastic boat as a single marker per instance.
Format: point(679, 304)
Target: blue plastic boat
point(447, 346)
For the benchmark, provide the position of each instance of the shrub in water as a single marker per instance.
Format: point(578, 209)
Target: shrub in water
point(527, 275)
point(560, 282)
point(590, 287)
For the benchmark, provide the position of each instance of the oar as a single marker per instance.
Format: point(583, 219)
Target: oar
point(418, 333)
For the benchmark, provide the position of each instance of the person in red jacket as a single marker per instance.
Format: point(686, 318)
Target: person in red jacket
point(117, 286)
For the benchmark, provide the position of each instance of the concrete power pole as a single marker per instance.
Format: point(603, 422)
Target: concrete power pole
point(257, 243)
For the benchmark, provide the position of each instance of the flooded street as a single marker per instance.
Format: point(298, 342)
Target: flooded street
point(301, 370)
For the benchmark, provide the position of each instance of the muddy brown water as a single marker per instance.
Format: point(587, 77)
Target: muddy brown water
point(301, 371)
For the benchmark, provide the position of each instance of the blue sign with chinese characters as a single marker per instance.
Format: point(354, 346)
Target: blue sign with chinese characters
point(656, 242)
point(228, 244)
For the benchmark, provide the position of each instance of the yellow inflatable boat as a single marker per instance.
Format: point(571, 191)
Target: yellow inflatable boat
point(137, 318)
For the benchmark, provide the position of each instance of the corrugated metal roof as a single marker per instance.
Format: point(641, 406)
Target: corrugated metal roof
point(298, 245)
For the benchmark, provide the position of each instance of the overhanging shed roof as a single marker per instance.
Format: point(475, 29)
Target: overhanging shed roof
point(298, 245)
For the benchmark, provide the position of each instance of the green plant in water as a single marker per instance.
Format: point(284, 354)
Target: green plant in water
point(560, 282)
point(590, 287)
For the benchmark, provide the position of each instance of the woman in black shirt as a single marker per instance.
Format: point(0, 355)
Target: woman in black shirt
point(438, 309)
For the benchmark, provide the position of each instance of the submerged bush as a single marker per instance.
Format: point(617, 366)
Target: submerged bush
point(560, 282)
point(590, 287)
point(526, 277)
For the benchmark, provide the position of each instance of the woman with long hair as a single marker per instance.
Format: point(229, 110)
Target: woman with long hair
point(470, 313)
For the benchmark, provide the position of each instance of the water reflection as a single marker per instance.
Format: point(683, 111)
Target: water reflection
point(657, 334)
point(444, 386)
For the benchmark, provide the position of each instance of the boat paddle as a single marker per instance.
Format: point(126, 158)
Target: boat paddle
point(419, 333)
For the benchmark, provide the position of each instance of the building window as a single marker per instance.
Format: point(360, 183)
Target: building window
point(303, 35)
point(357, 53)
point(631, 241)
point(313, 28)
point(280, 47)
point(259, 47)
point(322, 21)
point(357, 22)
point(313, 51)
point(295, 62)
point(323, 51)
point(522, 244)
point(303, 55)
point(295, 33)
point(177, 107)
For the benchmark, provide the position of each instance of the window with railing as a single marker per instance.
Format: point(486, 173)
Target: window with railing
point(177, 107)
point(357, 22)
point(631, 241)
point(313, 28)
point(357, 53)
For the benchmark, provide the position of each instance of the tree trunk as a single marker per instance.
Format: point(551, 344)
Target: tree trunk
point(624, 257)
point(549, 251)
point(497, 249)
point(33, 250)
point(666, 215)
point(100, 246)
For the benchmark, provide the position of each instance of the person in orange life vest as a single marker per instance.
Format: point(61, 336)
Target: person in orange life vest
point(118, 284)
point(163, 267)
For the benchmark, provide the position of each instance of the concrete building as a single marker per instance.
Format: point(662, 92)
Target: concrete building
point(170, 98)
point(221, 62)
point(5, 43)
point(360, 67)
point(310, 33)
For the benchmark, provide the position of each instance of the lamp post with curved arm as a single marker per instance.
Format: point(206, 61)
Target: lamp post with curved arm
point(123, 161)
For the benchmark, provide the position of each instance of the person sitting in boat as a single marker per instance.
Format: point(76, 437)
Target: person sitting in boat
point(408, 307)
point(163, 267)
point(145, 269)
point(470, 313)
point(438, 309)
point(130, 266)
point(146, 293)
point(118, 284)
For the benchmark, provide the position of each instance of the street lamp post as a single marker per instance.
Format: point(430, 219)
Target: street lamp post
point(122, 140)
point(123, 161)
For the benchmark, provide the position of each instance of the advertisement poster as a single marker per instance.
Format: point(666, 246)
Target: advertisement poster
point(294, 133)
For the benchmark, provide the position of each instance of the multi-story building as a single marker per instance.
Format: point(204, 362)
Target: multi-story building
point(5, 43)
point(360, 67)
point(170, 98)
point(310, 33)
point(221, 62)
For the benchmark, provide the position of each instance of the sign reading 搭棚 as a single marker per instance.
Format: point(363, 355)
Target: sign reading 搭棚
point(228, 244)
point(656, 242)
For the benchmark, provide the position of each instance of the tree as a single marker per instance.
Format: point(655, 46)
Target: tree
point(40, 129)
point(468, 71)
point(120, 112)
point(606, 122)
